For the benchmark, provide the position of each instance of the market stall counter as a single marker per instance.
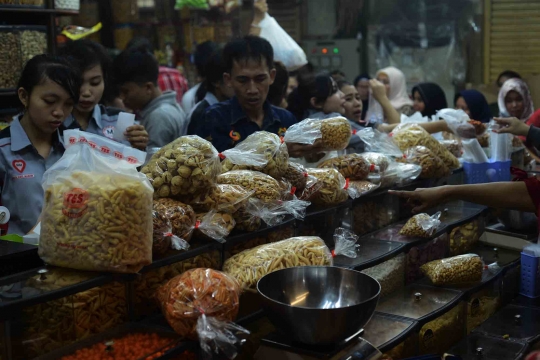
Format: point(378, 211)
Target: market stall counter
point(477, 346)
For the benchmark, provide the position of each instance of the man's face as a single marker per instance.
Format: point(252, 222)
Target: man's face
point(136, 96)
point(250, 81)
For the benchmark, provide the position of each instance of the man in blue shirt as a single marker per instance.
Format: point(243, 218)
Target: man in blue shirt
point(249, 63)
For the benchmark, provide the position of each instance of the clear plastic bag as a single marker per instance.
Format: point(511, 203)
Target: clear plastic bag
point(202, 304)
point(223, 198)
point(250, 265)
point(345, 243)
point(333, 133)
point(363, 187)
point(187, 166)
point(214, 225)
point(286, 50)
point(400, 174)
point(172, 224)
point(333, 188)
point(458, 122)
point(261, 151)
point(266, 188)
point(97, 212)
point(454, 146)
point(376, 159)
point(459, 269)
point(410, 135)
point(379, 142)
point(297, 176)
point(432, 166)
point(351, 166)
point(421, 225)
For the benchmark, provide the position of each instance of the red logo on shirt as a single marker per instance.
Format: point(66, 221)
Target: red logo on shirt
point(234, 135)
point(19, 165)
point(75, 202)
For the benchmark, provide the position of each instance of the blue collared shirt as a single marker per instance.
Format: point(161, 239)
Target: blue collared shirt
point(21, 172)
point(102, 122)
point(226, 124)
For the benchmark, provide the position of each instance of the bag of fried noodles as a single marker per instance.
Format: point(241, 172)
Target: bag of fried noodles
point(97, 212)
point(332, 133)
point(250, 265)
point(202, 304)
point(261, 151)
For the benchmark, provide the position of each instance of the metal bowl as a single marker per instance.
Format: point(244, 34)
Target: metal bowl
point(319, 305)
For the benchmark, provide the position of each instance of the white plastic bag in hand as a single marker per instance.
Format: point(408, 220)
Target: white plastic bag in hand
point(457, 121)
point(286, 50)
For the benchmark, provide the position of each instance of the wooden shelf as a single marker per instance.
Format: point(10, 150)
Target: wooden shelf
point(37, 10)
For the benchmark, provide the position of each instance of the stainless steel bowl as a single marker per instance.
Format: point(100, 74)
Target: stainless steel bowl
point(319, 305)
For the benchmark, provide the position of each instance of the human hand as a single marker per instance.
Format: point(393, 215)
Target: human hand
point(137, 137)
point(378, 89)
point(512, 126)
point(260, 8)
point(423, 199)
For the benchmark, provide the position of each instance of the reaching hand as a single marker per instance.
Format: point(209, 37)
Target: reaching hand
point(260, 8)
point(378, 89)
point(422, 199)
point(512, 126)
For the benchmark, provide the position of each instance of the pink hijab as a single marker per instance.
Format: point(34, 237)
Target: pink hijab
point(522, 89)
point(398, 87)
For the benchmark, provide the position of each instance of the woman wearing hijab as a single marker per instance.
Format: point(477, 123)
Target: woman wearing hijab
point(515, 100)
point(361, 83)
point(428, 99)
point(474, 104)
point(396, 91)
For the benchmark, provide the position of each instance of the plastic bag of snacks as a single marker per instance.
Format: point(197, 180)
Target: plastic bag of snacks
point(246, 221)
point(400, 174)
point(455, 270)
point(379, 142)
point(163, 236)
point(297, 176)
point(202, 303)
point(223, 198)
point(187, 166)
point(334, 188)
point(181, 216)
point(351, 166)
point(421, 225)
point(97, 212)
point(214, 225)
point(261, 151)
point(250, 265)
point(454, 146)
point(376, 159)
point(432, 166)
point(410, 135)
point(266, 188)
point(333, 133)
point(363, 187)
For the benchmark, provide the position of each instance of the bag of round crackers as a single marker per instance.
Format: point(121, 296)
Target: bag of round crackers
point(97, 211)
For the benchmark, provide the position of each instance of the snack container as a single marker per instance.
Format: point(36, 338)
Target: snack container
point(371, 213)
point(390, 274)
point(513, 322)
point(481, 305)
point(170, 340)
point(387, 332)
point(463, 238)
point(322, 223)
point(421, 254)
point(372, 253)
point(441, 333)
point(477, 346)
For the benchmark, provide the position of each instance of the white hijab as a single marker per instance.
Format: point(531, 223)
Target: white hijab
point(398, 87)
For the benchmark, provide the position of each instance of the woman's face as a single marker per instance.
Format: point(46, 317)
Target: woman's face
point(382, 77)
point(514, 104)
point(91, 89)
point(293, 84)
point(353, 103)
point(47, 107)
point(462, 105)
point(334, 103)
point(363, 89)
point(418, 103)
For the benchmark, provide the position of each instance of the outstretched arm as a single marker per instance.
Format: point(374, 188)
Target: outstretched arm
point(379, 93)
point(508, 195)
point(260, 8)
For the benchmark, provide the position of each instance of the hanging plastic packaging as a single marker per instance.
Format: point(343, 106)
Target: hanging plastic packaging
point(97, 212)
point(202, 304)
point(286, 50)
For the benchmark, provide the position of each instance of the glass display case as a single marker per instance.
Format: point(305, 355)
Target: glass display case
point(421, 254)
point(441, 333)
point(372, 213)
point(390, 274)
point(481, 305)
point(464, 237)
point(476, 346)
point(369, 254)
point(387, 332)
point(513, 322)
point(322, 223)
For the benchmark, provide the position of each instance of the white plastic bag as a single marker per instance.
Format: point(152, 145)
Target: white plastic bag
point(286, 50)
point(458, 122)
point(97, 212)
point(379, 142)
